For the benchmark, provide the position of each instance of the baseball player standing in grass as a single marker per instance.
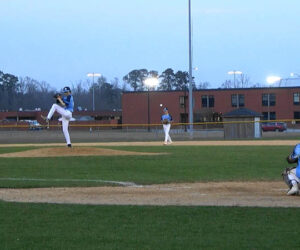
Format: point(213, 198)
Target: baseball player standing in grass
point(166, 120)
point(64, 106)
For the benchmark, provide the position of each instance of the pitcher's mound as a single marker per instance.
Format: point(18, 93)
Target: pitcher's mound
point(77, 151)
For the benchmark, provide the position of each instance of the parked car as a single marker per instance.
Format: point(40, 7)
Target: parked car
point(34, 125)
point(273, 126)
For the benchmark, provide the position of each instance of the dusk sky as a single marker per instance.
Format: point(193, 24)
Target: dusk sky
point(60, 41)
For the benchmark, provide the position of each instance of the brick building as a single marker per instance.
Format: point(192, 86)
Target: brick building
point(84, 118)
point(274, 103)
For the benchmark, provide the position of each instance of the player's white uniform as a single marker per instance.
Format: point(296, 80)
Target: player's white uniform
point(66, 115)
point(167, 128)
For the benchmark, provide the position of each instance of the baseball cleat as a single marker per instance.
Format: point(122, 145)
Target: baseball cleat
point(69, 145)
point(45, 118)
point(294, 190)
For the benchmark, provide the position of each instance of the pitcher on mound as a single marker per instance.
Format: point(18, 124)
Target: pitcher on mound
point(64, 106)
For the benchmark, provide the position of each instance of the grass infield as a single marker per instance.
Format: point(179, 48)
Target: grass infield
point(52, 226)
point(182, 164)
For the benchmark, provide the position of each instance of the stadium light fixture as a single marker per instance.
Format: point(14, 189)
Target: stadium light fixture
point(93, 74)
point(151, 82)
point(273, 79)
point(234, 73)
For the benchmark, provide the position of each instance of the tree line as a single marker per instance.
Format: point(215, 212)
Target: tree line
point(169, 80)
point(25, 93)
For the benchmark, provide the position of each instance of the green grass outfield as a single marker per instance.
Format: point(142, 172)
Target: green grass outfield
point(182, 164)
point(52, 226)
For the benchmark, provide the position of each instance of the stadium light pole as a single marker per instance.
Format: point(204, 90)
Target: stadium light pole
point(150, 82)
point(93, 75)
point(234, 72)
point(191, 115)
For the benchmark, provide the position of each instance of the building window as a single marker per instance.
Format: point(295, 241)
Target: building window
point(296, 98)
point(272, 115)
point(265, 114)
point(182, 101)
point(272, 99)
point(265, 100)
point(237, 100)
point(208, 101)
point(297, 116)
point(269, 115)
point(211, 101)
point(268, 99)
point(204, 101)
point(183, 118)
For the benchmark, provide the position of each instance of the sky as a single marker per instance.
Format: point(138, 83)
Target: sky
point(60, 41)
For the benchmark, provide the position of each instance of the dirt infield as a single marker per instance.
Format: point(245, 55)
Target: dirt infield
point(77, 151)
point(254, 194)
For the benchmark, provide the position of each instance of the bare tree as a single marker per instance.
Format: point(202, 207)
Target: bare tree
point(203, 85)
point(227, 84)
point(244, 81)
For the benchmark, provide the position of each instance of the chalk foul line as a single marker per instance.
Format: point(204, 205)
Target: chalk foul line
point(121, 183)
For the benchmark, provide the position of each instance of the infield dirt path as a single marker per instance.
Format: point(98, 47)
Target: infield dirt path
point(254, 194)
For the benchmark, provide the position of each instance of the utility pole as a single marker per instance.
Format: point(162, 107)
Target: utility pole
point(93, 75)
point(191, 115)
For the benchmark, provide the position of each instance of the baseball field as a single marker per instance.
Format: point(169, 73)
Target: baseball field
point(188, 195)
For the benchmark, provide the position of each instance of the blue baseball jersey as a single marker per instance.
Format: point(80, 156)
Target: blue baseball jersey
point(295, 155)
point(68, 100)
point(166, 117)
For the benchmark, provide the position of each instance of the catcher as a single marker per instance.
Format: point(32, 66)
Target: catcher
point(166, 120)
point(291, 176)
point(64, 106)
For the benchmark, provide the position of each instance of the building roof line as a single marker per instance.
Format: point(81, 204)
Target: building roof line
point(215, 89)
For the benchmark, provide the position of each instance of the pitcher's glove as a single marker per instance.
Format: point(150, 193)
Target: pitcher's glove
point(57, 95)
point(165, 121)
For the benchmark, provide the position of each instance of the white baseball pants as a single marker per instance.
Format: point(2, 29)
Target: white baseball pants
point(66, 116)
point(293, 177)
point(167, 128)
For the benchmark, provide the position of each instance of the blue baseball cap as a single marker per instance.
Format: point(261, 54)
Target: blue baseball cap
point(165, 109)
point(66, 89)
